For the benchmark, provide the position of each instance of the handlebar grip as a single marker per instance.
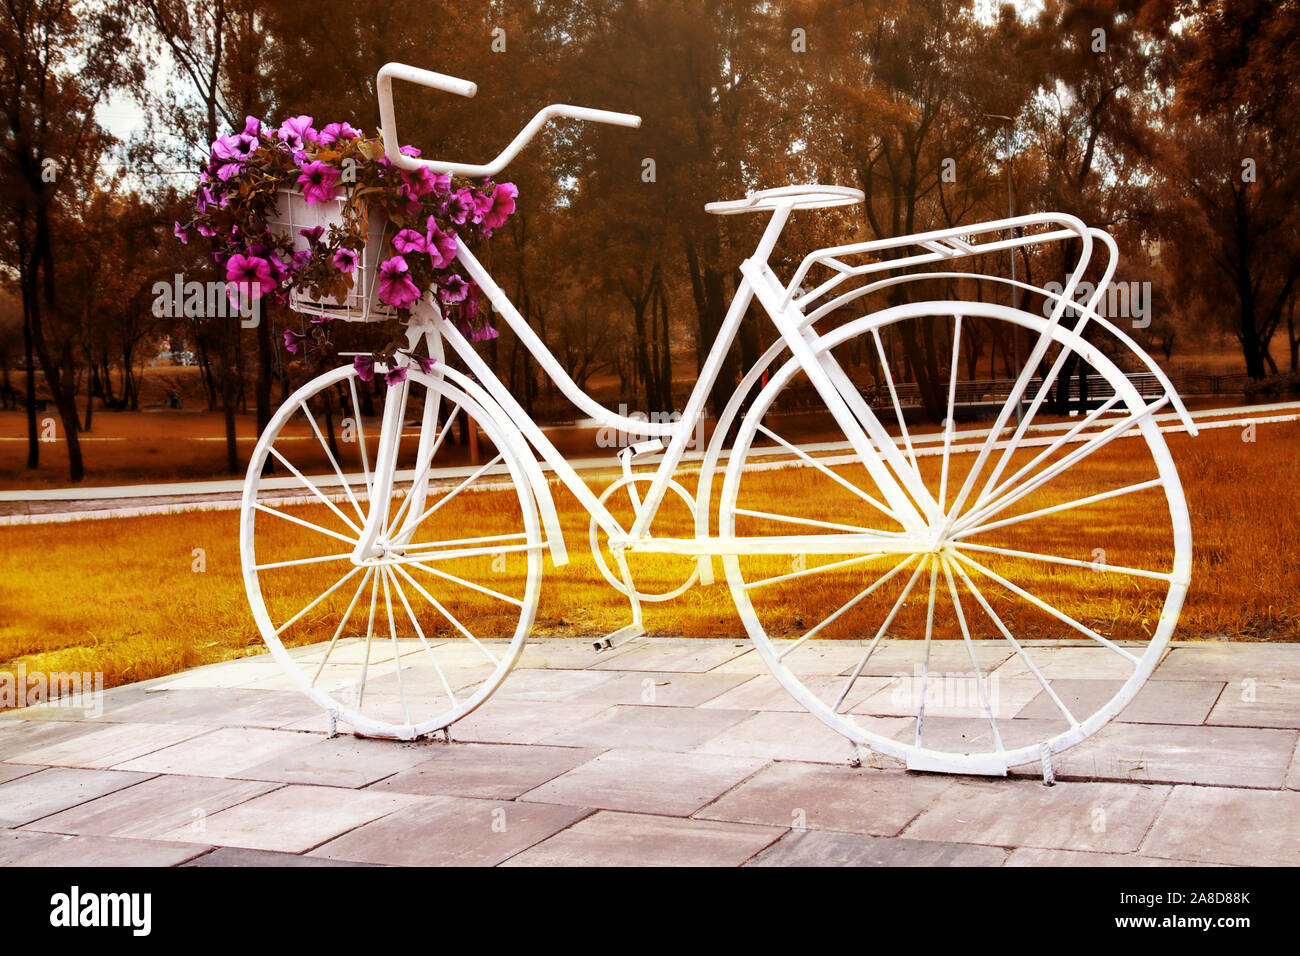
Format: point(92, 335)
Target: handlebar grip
point(608, 117)
point(437, 81)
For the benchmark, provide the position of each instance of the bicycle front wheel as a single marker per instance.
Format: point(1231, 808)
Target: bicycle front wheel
point(412, 634)
point(1013, 590)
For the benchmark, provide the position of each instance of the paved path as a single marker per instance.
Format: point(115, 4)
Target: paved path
point(659, 752)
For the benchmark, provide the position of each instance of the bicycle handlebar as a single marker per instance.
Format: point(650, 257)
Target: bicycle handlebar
point(450, 84)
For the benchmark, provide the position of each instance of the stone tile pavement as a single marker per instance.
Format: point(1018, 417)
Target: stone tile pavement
point(573, 762)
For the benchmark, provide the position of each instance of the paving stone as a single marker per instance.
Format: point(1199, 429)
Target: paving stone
point(25, 848)
point(610, 838)
point(294, 819)
point(1071, 663)
point(1293, 775)
point(1252, 703)
point(950, 694)
point(221, 753)
point(342, 762)
point(1231, 661)
point(106, 745)
point(819, 797)
point(215, 707)
point(333, 677)
point(1102, 817)
point(1156, 702)
point(234, 856)
point(828, 848)
point(813, 658)
point(648, 728)
point(975, 735)
point(12, 771)
point(1218, 825)
point(28, 735)
point(1211, 756)
point(646, 781)
point(660, 689)
point(765, 692)
point(1036, 856)
point(156, 806)
point(39, 794)
point(523, 721)
point(782, 736)
point(683, 657)
point(566, 655)
point(451, 831)
point(487, 771)
point(549, 684)
point(238, 673)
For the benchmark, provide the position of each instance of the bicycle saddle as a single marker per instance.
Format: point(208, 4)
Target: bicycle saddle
point(809, 196)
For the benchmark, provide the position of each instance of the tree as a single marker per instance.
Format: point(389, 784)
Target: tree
point(61, 59)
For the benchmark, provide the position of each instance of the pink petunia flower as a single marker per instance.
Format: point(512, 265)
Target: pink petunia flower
point(181, 233)
point(440, 245)
point(453, 289)
point(395, 375)
point(345, 260)
point(318, 181)
point(251, 275)
point(335, 132)
point(407, 241)
point(460, 206)
point(291, 340)
point(365, 366)
point(297, 132)
point(494, 209)
point(483, 333)
point(425, 362)
point(395, 285)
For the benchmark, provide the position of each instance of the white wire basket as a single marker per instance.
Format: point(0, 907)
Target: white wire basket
point(361, 304)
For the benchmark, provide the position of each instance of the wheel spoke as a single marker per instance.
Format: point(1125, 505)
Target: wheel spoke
point(298, 561)
point(1071, 562)
point(1043, 605)
point(470, 584)
point(447, 614)
point(314, 490)
point(455, 553)
point(848, 605)
point(334, 587)
point(370, 633)
point(343, 623)
point(397, 648)
point(423, 471)
point(1024, 656)
point(810, 522)
point(991, 489)
point(361, 434)
point(871, 648)
point(455, 491)
point(304, 523)
point(401, 594)
point(1065, 506)
point(925, 665)
point(898, 407)
point(347, 488)
point(974, 661)
point(840, 479)
point(950, 423)
point(1098, 442)
point(817, 569)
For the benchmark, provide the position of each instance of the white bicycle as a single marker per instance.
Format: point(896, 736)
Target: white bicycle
point(941, 596)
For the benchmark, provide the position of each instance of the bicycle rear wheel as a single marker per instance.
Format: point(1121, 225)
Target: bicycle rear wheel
point(1021, 597)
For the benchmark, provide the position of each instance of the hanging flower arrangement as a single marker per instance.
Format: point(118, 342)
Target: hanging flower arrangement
point(426, 216)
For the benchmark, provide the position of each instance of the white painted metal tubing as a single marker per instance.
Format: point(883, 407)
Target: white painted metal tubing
point(449, 84)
